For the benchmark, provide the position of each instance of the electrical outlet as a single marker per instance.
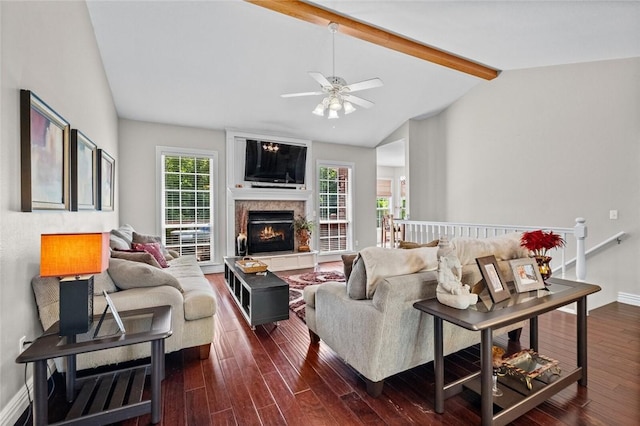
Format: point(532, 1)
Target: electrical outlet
point(613, 214)
point(21, 344)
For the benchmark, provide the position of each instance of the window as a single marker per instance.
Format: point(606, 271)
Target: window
point(383, 200)
point(334, 187)
point(187, 182)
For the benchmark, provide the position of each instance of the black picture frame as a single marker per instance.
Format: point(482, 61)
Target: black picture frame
point(44, 155)
point(106, 180)
point(526, 275)
point(84, 180)
point(493, 278)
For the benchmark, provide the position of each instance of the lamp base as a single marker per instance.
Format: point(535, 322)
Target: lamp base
point(76, 305)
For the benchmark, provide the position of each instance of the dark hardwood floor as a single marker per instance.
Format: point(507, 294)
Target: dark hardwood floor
point(273, 376)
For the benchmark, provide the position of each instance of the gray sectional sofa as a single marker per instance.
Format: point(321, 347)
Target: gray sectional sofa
point(382, 334)
point(137, 284)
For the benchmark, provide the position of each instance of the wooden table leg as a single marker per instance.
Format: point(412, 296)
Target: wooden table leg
point(486, 376)
point(40, 393)
point(157, 373)
point(438, 364)
point(582, 339)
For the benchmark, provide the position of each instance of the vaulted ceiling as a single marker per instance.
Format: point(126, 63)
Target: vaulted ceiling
point(224, 64)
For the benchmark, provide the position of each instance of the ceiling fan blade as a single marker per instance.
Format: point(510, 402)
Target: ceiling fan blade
point(363, 85)
point(358, 101)
point(294, 95)
point(321, 79)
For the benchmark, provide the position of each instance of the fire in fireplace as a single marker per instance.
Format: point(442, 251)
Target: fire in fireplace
point(270, 230)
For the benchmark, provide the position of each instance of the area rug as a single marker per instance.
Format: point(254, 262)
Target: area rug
point(298, 282)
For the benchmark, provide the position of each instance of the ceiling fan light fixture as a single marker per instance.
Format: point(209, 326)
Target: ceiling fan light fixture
point(335, 104)
point(348, 107)
point(319, 110)
point(332, 114)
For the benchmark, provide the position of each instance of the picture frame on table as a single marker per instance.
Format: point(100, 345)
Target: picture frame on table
point(44, 155)
point(526, 275)
point(493, 278)
point(106, 179)
point(84, 180)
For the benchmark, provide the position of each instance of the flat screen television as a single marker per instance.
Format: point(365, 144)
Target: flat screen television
point(275, 162)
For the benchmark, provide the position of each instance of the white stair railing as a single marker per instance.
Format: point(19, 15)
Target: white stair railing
point(424, 231)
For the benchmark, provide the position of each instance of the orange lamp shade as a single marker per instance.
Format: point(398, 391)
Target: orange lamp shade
point(73, 254)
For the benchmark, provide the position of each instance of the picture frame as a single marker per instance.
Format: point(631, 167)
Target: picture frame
point(106, 178)
point(526, 275)
point(114, 313)
point(44, 155)
point(83, 172)
point(493, 278)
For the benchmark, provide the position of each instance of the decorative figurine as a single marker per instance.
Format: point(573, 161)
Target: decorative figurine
point(450, 290)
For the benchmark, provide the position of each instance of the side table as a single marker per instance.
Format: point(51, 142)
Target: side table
point(103, 398)
point(486, 317)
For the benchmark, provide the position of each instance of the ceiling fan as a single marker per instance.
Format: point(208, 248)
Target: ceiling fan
point(338, 94)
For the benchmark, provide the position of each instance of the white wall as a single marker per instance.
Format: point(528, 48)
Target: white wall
point(49, 48)
point(544, 146)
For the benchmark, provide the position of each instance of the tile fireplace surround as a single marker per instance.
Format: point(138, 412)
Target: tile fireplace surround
point(299, 201)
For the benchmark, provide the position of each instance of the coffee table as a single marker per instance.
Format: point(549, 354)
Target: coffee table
point(103, 398)
point(486, 317)
point(261, 298)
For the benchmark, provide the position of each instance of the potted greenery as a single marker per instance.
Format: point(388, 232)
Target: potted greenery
point(303, 228)
point(539, 243)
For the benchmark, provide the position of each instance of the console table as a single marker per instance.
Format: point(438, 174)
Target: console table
point(261, 298)
point(103, 398)
point(485, 317)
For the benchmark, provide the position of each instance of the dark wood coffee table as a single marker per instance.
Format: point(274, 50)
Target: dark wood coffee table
point(103, 398)
point(262, 298)
point(486, 317)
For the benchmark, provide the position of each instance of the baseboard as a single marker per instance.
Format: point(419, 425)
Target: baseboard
point(20, 401)
point(629, 299)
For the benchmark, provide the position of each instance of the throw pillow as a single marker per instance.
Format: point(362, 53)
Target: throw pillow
point(503, 247)
point(125, 232)
point(135, 256)
point(357, 282)
point(145, 239)
point(153, 249)
point(127, 275)
point(347, 260)
point(412, 245)
point(118, 243)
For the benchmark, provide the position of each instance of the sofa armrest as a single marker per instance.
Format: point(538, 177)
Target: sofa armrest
point(144, 297)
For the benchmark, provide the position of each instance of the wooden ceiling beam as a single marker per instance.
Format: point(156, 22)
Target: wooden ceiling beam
point(317, 15)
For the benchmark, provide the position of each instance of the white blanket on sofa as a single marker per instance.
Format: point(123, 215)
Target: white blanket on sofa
point(383, 262)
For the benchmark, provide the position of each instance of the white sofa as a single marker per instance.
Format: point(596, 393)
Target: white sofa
point(182, 285)
point(384, 335)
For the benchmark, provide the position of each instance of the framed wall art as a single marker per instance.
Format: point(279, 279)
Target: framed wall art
point(493, 278)
point(44, 156)
point(526, 275)
point(83, 172)
point(106, 178)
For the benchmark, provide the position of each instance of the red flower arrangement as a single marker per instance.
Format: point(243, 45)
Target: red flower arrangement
point(539, 242)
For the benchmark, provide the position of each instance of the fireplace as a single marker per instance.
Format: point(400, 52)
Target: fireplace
point(270, 231)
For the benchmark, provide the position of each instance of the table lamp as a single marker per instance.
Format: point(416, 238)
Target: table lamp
point(74, 258)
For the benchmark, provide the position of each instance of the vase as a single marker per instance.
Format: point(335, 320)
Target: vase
point(304, 236)
point(241, 244)
point(543, 265)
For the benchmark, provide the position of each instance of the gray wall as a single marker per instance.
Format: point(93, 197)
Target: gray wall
point(544, 146)
point(138, 140)
point(364, 186)
point(49, 48)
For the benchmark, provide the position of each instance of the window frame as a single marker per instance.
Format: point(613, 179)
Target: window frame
point(161, 152)
point(348, 208)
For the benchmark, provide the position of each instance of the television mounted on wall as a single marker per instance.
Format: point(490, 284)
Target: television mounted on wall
point(275, 162)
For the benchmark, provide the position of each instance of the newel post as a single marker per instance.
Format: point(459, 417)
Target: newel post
point(580, 232)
